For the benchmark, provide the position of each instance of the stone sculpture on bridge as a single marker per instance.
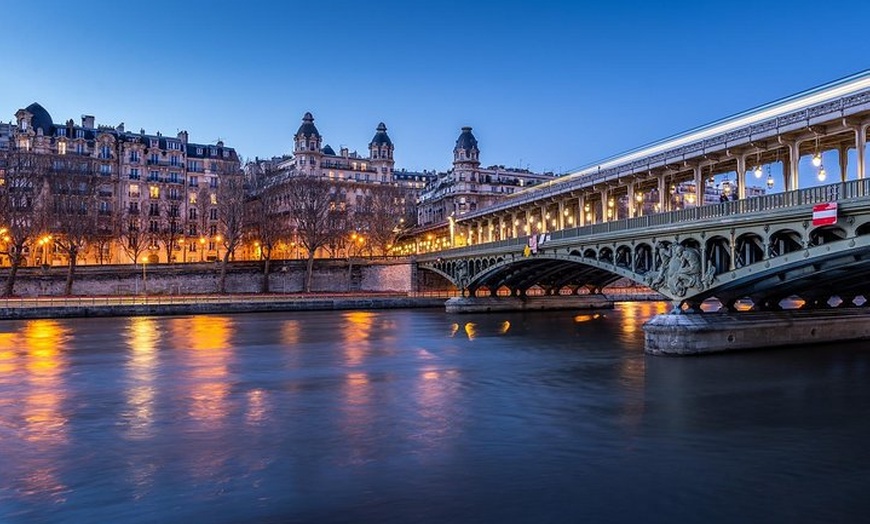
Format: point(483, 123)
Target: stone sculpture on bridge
point(679, 268)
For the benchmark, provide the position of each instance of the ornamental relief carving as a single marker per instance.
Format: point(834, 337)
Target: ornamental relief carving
point(679, 269)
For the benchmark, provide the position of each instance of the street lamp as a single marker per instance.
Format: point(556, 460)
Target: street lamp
point(144, 280)
point(201, 248)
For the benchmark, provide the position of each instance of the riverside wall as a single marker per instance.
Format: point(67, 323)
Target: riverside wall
point(329, 276)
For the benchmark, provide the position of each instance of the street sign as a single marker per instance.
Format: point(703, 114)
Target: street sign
point(825, 214)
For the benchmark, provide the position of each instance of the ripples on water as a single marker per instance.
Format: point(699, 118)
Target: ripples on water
point(418, 416)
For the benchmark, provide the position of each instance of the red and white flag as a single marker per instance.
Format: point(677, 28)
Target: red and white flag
point(825, 214)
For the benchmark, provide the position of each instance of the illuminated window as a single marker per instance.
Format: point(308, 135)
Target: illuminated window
point(154, 191)
point(61, 148)
point(192, 198)
point(213, 197)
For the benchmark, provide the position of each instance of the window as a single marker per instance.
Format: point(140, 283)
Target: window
point(212, 230)
point(174, 161)
point(212, 182)
point(154, 159)
point(174, 177)
point(134, 190)
point(191, 197)
point(154, 142)
point(134, 173)
point(173, 193)
point(105, 151)
point(213, 197)
point(61, 148)
point(61, 131)
point(212, 215)
point(134, 156)
point(199, 151)
point(80, 148)
point(191, 213)
point(134, 208)
point(192, 232)
point(154, 209)
point(105, 169)
point(153, 176)
point(154, 191)
point(153, 226)
point(80, 133)
point(104, 208)
point(193, 181)
point(173, 211)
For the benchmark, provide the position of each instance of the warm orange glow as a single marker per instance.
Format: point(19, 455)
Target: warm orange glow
point(358, 326)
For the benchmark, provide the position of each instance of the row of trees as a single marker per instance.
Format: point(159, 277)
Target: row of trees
point(64, 196)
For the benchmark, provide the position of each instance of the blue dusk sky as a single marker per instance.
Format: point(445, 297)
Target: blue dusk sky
point(547, 85)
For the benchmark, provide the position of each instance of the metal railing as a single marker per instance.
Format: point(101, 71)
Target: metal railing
point(838, 192)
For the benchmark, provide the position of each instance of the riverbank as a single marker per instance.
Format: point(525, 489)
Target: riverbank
point(128, 306)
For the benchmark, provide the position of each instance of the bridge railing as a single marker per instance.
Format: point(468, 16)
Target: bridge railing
point(840, 191)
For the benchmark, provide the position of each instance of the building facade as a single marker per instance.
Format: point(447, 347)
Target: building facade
point(158, 192)
point(468, 187)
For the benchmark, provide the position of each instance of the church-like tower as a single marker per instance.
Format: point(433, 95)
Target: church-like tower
point(307, 146)
point(381, 153)
point(466, 155)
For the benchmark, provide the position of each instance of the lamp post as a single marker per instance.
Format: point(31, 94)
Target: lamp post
point(201, 248)
point(144, 262)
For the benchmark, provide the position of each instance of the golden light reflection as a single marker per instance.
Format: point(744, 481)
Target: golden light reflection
point(635, 314)
point(471, 330)
point(44, 343)
point(505, 327)
point(142, 339)
point(587, 317)
point(291, 331)
point(208, 340)
point(357, 330)
point(454, 328)
point(8, 357)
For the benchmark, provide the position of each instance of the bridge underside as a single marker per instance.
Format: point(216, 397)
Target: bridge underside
point(552, 276)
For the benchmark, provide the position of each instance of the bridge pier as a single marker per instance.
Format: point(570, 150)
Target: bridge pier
point(701, 333)
point(538, 303)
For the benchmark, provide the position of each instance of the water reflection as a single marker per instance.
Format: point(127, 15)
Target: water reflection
point(142, 339)
point(436, 395)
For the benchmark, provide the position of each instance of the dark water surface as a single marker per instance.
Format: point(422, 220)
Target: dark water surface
point(418, 416)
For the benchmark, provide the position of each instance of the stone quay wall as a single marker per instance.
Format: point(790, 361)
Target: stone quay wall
point(329, 276)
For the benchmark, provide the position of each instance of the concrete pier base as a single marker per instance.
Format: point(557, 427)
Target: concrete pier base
point(486, 304)
point(700, 333)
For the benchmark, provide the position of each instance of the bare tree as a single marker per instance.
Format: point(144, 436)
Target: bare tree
point(381, 217)
point(318, 214)
point(73, 209)
point(22, 210)
point(170, 230)
point(231, 215)
point(267, 224)
point(132, 238)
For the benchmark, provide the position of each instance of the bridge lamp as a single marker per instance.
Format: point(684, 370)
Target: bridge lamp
point(547, 216)
point(758, 171)
point(566, 212)
point(610, 203)
point(570, 220)
point(554, 222)
point(822, 174)
point(726, 187)
point(817, 159)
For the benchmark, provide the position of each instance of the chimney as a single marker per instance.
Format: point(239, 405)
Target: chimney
point(88, 121)
point(120, 127)
point(344, 152)
point(182, 135)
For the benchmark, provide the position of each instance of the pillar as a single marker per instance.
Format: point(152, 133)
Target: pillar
point(581, 206)
point(700, 185)
point(513, 224)
point(843, 159)
point(741, 176)
point(604, 196)
point(561, 214)
point(794, 158)
point(632, 205)
point(860, 145)
point(663, 192)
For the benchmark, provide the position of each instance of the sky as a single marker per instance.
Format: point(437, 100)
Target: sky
point(546, 85)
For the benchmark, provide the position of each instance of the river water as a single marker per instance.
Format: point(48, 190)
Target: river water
point(418, 416)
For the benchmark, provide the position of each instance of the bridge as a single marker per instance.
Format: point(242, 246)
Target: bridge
point(806, 248)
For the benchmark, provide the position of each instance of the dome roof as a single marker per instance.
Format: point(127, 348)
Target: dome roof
point(307, 128)
point(381, 137)
point(466, 140)
point(328, 150)
point(41, 118)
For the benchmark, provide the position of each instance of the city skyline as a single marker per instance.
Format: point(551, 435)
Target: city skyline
point(550, 87)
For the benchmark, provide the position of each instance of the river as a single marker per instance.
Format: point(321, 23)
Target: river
point(417, 416)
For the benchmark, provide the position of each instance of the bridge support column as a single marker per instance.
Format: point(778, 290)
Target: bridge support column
point(472, 304)
point(631, 203)
point(701, 333)
point(561, 214)
point(860, 146)
point(741, 176)
point(700, 186)
point(663, 191)
point(581, 207)
point(794, 159)
point(843, 160)
point(514, 223)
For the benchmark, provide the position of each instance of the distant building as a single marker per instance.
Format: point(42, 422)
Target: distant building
point(468, 187)
point(150, 183)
